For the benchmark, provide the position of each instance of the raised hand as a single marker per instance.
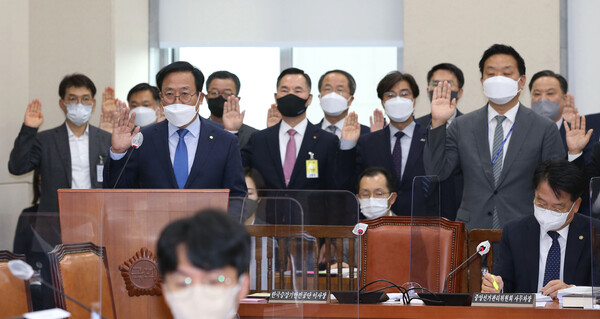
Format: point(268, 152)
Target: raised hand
point(569, 109)
point(109, 103)
point(576, 136)
point(273, 116)
point(123, 129)
point(377, 121)
point(442, 107)
point(160, 115)
point(232, 118)
point(351, 128)
point(33, 114)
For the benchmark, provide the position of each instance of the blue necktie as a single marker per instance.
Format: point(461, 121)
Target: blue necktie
point(552, 271)
point(397, 156)
point(180, 164)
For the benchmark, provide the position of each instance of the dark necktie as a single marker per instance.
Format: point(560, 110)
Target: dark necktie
point(397, 156)
point(180, 163)
point(552, 271)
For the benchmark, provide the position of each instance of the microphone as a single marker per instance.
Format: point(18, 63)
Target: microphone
point(482, 249)
point(136, 142)
point(23, 271)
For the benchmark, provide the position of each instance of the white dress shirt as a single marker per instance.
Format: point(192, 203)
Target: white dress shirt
point(405, 142)
point(507, 124)
point(284, 137)
point(339, 125)
point(545, 244)
point(80, 159)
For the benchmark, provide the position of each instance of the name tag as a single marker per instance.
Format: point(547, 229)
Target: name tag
point(312, 168)
point(99, 171)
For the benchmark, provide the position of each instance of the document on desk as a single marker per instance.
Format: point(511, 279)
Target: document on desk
point(541, 300)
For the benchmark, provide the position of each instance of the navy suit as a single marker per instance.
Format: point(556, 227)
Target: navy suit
point(217, 163)
point(262, 153)
point(518, 259)
point(374, 150)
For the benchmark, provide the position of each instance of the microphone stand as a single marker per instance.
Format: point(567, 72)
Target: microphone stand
point(479, 249)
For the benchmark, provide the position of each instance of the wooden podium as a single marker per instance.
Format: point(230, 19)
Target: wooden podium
point(128, 223)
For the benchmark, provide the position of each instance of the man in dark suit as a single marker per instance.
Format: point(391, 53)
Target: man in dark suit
point(495, 146)
point(68, 156)
point(186, 151)
point(440, 73)
point(222, 89)
point(398, 148)
point(550, 98)
point(551, 249)
point(295, 154)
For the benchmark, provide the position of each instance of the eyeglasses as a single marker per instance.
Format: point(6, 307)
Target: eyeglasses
point(435, 83)
point(391, 94)
point(553, 208)
point(215, 94)
point(184, 97)
point(85, 100)
point(339, 91)
point(376, 194)
point(178, 282)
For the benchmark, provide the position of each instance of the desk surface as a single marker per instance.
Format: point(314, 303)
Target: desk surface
point(335, 310)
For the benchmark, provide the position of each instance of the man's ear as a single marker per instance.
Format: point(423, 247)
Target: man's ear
point(392, 199)
point(62, 105)
point(245, 286)
point(309, 100)
point(459, 95)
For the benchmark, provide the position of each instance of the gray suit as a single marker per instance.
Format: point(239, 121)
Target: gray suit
point(49, 151)
point(465, 146)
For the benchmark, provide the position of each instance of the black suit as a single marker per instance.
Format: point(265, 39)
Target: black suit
point(363, 128)
point(518, 259)
point(425, 120)
point(243, 134)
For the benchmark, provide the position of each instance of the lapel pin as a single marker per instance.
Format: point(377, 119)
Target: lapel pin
point(422, 140)
point(580, 237)
point(211, 137)
point(315, 137)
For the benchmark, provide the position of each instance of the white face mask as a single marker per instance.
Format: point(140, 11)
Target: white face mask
point(500, 89)
point(374, 207)
point(550, 220)
point(144, 116)
point(79, 114)
point(204, 301)
point(180, 114)
point(399, 109)
point(334, 104)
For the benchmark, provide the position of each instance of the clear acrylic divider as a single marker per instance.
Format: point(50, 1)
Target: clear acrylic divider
point(427, 268)
point(594, 241)
point(300, 239)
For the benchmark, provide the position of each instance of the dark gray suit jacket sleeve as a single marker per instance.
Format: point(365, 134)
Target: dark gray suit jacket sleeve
point(441, 156)
point(26, 153)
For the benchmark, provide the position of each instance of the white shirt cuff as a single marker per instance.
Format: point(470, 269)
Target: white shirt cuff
point(232, 132)
point(347, 144)
point(116, 156)
point(574, 157)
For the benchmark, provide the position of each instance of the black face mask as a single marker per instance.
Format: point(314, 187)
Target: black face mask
point(453, 95)
point(291, 105)
point(216, 106)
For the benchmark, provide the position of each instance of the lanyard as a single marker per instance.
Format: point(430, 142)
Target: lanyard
point(503, 142)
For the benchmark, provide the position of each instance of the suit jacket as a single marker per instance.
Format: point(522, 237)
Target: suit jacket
point(243, 134)
point(217, 163)
point(519, 254)
point(587, 151)
point(425, 120)
point(363, 128)
point(465, 146)
point(50, 152)
point(374, 150)
point(262, 153)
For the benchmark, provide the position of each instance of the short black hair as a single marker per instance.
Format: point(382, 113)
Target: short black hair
point(294, 71)
point(374, 171)
point(256, 177)
point(76, 80)
point(388, 82)
point(212, 240)
point(224, 75)
point(144, 87)
point(502, 49)
point(562, 176)
point(351, 81)
point(448, 67)
point(180, 66)
point(564, 86)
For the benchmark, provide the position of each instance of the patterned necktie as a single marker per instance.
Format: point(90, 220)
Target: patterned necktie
point(497, 166)
point(290, 157)
point(397, 156)
point(552, 271)
point(180, 164)
point(332, 128)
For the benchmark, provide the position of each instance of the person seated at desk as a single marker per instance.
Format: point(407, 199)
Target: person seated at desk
point(550, 250)
point(375, 196)
point(203, 261)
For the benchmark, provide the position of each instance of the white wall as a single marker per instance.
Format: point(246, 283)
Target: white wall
point(583, 28)
point(460, 31)
point(47, 40)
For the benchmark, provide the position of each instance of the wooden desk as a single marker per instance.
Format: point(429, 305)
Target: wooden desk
point(335, 310)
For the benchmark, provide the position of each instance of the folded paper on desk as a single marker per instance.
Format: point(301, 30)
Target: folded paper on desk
point(578, 296)
point(55, 313)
